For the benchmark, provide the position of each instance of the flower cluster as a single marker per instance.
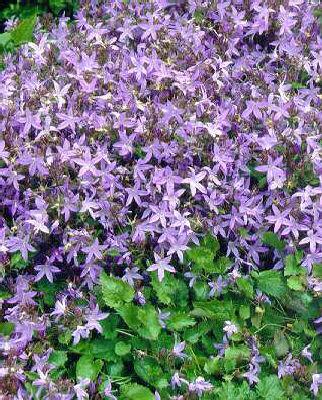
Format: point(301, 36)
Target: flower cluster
point(131, 131)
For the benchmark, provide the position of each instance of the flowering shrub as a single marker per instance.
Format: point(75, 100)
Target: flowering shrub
point(125, 137)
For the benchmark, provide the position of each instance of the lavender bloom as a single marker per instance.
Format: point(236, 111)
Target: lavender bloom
point(217, 287)
point(161, 265)
point(221, 347)
point(230, 328)
point(254, 367)
point(200, 386)
point(139, 297)
point(80, 389)
point(288, 367)
point(176, 381)
point(131, 274)
point(316, 383)
point(306, 353)
point(177, 351)
point(262, 298)
point(108, 391)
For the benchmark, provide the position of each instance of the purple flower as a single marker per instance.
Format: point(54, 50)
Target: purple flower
point(108, 391)
point(306, 353)
point(46, 270)
point(288, 367)
point(230, 328)
point(200, 386)
point(217, 287)
point(194, 182)
point(161, 265)
point(316, 383)
point(177, 351)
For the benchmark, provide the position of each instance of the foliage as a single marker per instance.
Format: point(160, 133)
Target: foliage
point(140, 348)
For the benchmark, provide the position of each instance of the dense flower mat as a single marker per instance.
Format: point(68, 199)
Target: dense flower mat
point(126, 136)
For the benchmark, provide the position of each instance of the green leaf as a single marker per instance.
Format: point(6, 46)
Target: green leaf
point(87, 367)
point(269, 388)
point(5, 39)
point(150, 371)
point(23, 32)
point(110, 325)
point(213, 366)
point(292, 266)
point(237, 353)
point(115, 291)
point(122, 348)
point(317, 271)
point(16, 261)
point(201, 290)
point(221, 265)
point(136, 392)
point(179, 320)
point(246, 287)
point(193, 334)
point(6, 328)
point(65, 337)
point(211, 243)
point(244, 311)
point(220, 310)
point(202, 256)
point(296, 283)
point(271, 283)
point(150, 326)
point(49, 290)
point(58, 358)
point(271, 239)
point(144, 320)
point(4, 294)
point(171, 291)
point(281, 345)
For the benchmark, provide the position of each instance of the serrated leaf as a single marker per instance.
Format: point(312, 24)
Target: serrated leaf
point(271, 283)
point(271, 239)
point(292, 266)
point(179, 320)
point(246, 287)
point(109, 326)
point(221, 265)
point(115, 292)
point(296, 283)
point(5, 39)
point(317, 271)
point(220, 310)
point(122, 348)
point(87, 367)
point(269, 387)
point(213, 366)
point(150, 371)
point(23, 32)
point(144, 320)
point(136, 392)
point(281, 345)
point(193, 334)
point(171, 291)
point(202, 256)
point(6, 328)
point(58, 358)
point(237, 353)
point(244, 311)
point(16, 261)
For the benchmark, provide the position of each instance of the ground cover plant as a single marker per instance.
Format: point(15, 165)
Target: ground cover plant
point(160, 202)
